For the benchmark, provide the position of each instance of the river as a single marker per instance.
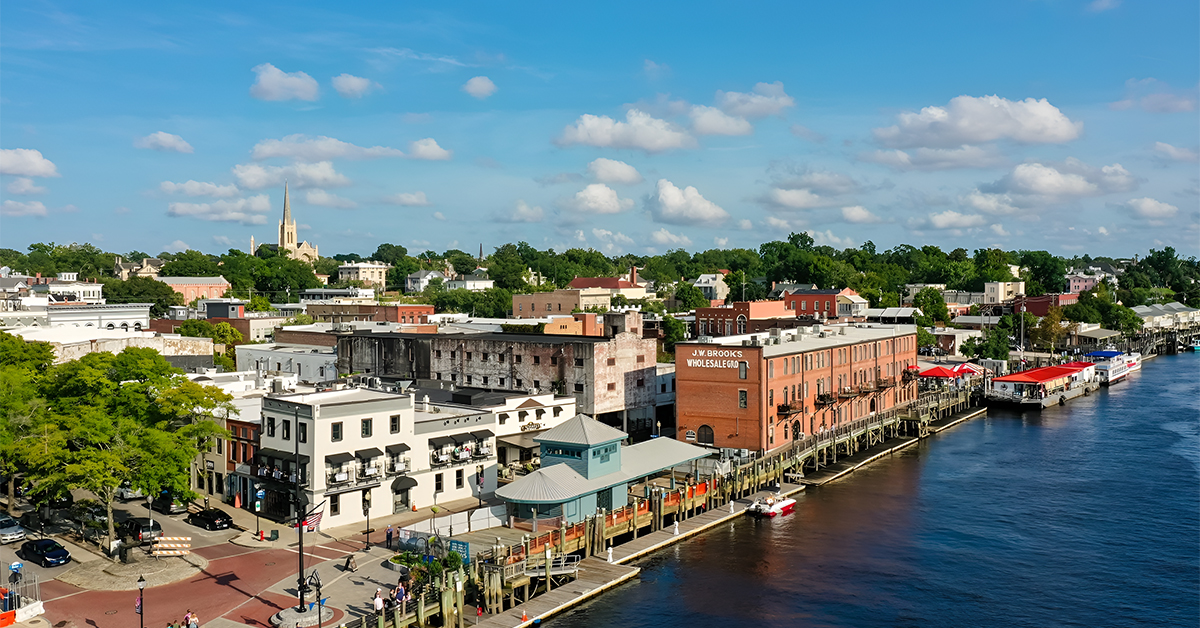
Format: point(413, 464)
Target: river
point(1083, 515)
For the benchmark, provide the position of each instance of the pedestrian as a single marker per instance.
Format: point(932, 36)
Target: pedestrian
point(390, 532)
point(195, 621)
point(399, 593)
point(187, 618)
point(378, 601)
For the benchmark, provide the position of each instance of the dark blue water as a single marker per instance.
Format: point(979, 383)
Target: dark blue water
point(1084, 515)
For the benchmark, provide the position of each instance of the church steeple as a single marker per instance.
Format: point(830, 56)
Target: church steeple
point(287, 206)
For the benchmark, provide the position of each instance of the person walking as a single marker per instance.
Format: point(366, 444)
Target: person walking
point(378, 602)
point(187, 618)
point(195, 623)
point(390, 532)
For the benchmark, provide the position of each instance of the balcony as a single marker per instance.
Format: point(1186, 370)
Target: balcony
point(826, 399)
point(398, 466)
point(788, 409)
point(885, 382)
point(370, 472)
point(481, 452)
point(337, 478)
point(848, 392)
point(866, 388)
point(439, 458)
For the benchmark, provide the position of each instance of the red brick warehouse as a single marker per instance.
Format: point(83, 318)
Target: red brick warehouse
point(761, 392)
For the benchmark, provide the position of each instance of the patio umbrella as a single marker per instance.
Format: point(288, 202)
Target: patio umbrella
point(939, 371)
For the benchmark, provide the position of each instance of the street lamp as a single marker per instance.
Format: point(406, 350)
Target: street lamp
point(366, 504)
point(141, 601)
point(314, 581)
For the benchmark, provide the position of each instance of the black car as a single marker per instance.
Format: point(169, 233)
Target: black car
point(167, 504)
point(140, 530)
point(45, 552)
point(211, 519)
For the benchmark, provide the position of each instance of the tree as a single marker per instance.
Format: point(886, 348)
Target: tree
point(690, 297)
point(924, 338)
point(674, 331)
point(259, 303)
point(1050, 329)
point(225, 334)
point(932, 306)
point(507, 269)
point(195, 328)
point(389, 253)
point(299, 319)
point(159, 295)
point(742, 288)
point(191, 263)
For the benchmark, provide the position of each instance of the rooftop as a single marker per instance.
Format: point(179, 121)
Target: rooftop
point(290, 349)
point(796, 340)
point(581, 430)
point(346, 395)
point(601, 282)
point(198, 281)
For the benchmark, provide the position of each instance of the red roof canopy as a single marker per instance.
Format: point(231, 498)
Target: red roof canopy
point(939, 371)
point(1044, 374)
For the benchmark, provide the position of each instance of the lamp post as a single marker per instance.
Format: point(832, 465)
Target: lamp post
point(141, 601)
point(314, 581)
point(366, 504)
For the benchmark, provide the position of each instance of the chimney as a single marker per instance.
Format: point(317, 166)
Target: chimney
point(633, 275)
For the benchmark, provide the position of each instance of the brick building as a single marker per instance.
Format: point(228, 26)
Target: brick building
point(559, 302)
point(193, 288)
point(744, 317)
point(612, 377)
point(816, 303)
point(1040, 306)
point(348, 312)
point(761, 392)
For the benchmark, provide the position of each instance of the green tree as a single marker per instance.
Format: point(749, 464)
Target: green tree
point(191, 263)
point(196, 328)
point(742, 288)
point(389, 253)
point(674, 331)
point(932, 306)
point(159, 295)
point(225, 334)
point(259, 303)
point(690, 297)
point(507, 269)
point(924, 338)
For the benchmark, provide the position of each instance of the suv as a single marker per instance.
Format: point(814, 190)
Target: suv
point(126, 492)
point(140, 530)
point(167, 504)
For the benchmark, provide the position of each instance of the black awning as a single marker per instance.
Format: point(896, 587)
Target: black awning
point(398, 448)
point(482, 434)
point(441, 441)
point(371, 452)
point(462, 439)
point(337, 459)
point(403, 482)
point(281, 455)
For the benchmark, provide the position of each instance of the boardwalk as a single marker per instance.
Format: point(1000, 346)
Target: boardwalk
point(595, 576)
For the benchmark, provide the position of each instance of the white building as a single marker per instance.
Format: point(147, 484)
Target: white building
point(309, 363)
point(713, 286)
point(370, 273)
point(472, 283)
point(66, 285)
point(370, 453)
point(419, 280)
point(1002, 291)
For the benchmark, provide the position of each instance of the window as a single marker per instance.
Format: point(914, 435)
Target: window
point(270, 426)
point(641, 383)
point(485, 358)
point(438, 484)
point(771, 397)
point(741, 324)
point(335, 505)
point(366, 428)
point(517, 383)
point(611, 386)
point(537, 359)
point(742, 399)
point(335, 432)
point(663, 387)
point(502, 381)
point(438, 353)
point(641, 359)
point(439, 376)
point(458, 478)
point(611, 361)
point(451, 355)
point(301, 433)
point(549, 308)
point(742, 366)
point(468, 379)
point(394, 423)
point(579, 362)
point(553, 360)
point(503, 418)
point(517, 359)
point(221, 443)
point(537, 385)
point(804, 306)
point(579, 388)
point(287, 429)
point(485, 380)
point(468, 356)
point(771, 369)
point(704, 435)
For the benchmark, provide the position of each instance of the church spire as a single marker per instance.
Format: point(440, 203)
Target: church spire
point(287, 206)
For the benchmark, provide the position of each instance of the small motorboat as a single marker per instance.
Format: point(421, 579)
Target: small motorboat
point(771, 506)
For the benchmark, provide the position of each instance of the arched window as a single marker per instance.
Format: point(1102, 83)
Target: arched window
point(137, 326)
point(796, 430)
point(741, 324)
point(111, 327)
point(704, 435)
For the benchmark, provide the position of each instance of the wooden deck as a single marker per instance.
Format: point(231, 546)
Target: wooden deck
point(596, 575)
point(851, 463)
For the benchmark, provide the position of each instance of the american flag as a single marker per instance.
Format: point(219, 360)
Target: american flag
point(313, 518)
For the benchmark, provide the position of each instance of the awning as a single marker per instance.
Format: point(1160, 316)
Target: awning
point(280, 455)
point(462, 439)
point(403, 482)
point(524, 440)
point(339, 458)
point(482, 434)
point(398, 448)
point(371, 452)
point(939, 372)
point(441, 441)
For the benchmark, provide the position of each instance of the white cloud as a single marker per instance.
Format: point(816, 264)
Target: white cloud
point(523, 213)
point(655, 70)
point(23, 185)
point(26, 162)
point(1174, 152)
point(826, 238)
point(663, 237)
point(597, 198)
point(997, 204)
point(325, 199)
point(951, 219)
point(301, 147)
point(439, 216)
point(1097, 6)
point(350, 86)
point(223, 240)
point(745, 224)
point(822, 181)
point(161, 140)
point(965, 156)
point(1070, 178)
point(971, 120)
point(302, 175)
point(199, 188)
point(639, 130)
point(778, 224)
point(998, 229)
point(720, 243)
point(613, 171)
point(408, 199)
point(17, 208)
point(1102, 231)
point(610, 241)
point(177, 246)
point(684, 207)
point(1150, 208)
point(428, 149)
point(768, 99)
point(272, 83)
point(248, 211)
point(1155, 96)
point(479, 87)
point(713, 121)
point(859, 215)
point(795, 199)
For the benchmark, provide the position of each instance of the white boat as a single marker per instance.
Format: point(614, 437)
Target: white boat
point(1133, 361)
point(771, 506)
point(1112, 365)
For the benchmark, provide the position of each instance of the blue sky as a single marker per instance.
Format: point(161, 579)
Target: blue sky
point(1064, 125)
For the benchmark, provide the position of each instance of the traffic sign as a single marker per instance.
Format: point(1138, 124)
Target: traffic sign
point(260, 494)
point(257, 506)
point(15, 566)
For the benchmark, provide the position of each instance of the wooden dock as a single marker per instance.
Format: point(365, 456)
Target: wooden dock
point(596, 575)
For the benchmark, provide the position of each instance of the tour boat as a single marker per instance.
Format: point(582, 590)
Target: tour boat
point(1133, 361)
point(771, 506)
point(1112, 365)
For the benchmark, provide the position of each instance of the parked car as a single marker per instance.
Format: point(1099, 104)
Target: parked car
point(140, 530)
point(211, 519)
point(45, 552)
point(126, 492)
point(89, 510)
point(10, 530)
point(167, 504)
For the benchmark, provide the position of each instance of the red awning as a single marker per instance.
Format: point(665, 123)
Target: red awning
point(939, 371)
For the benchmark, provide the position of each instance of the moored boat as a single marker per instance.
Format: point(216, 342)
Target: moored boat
point(1112, 365)
point(771, 506)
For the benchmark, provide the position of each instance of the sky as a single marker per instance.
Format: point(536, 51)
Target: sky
point(1065, 125)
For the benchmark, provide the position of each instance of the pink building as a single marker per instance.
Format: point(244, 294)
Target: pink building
point(193, 288)
point(1081, 283)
